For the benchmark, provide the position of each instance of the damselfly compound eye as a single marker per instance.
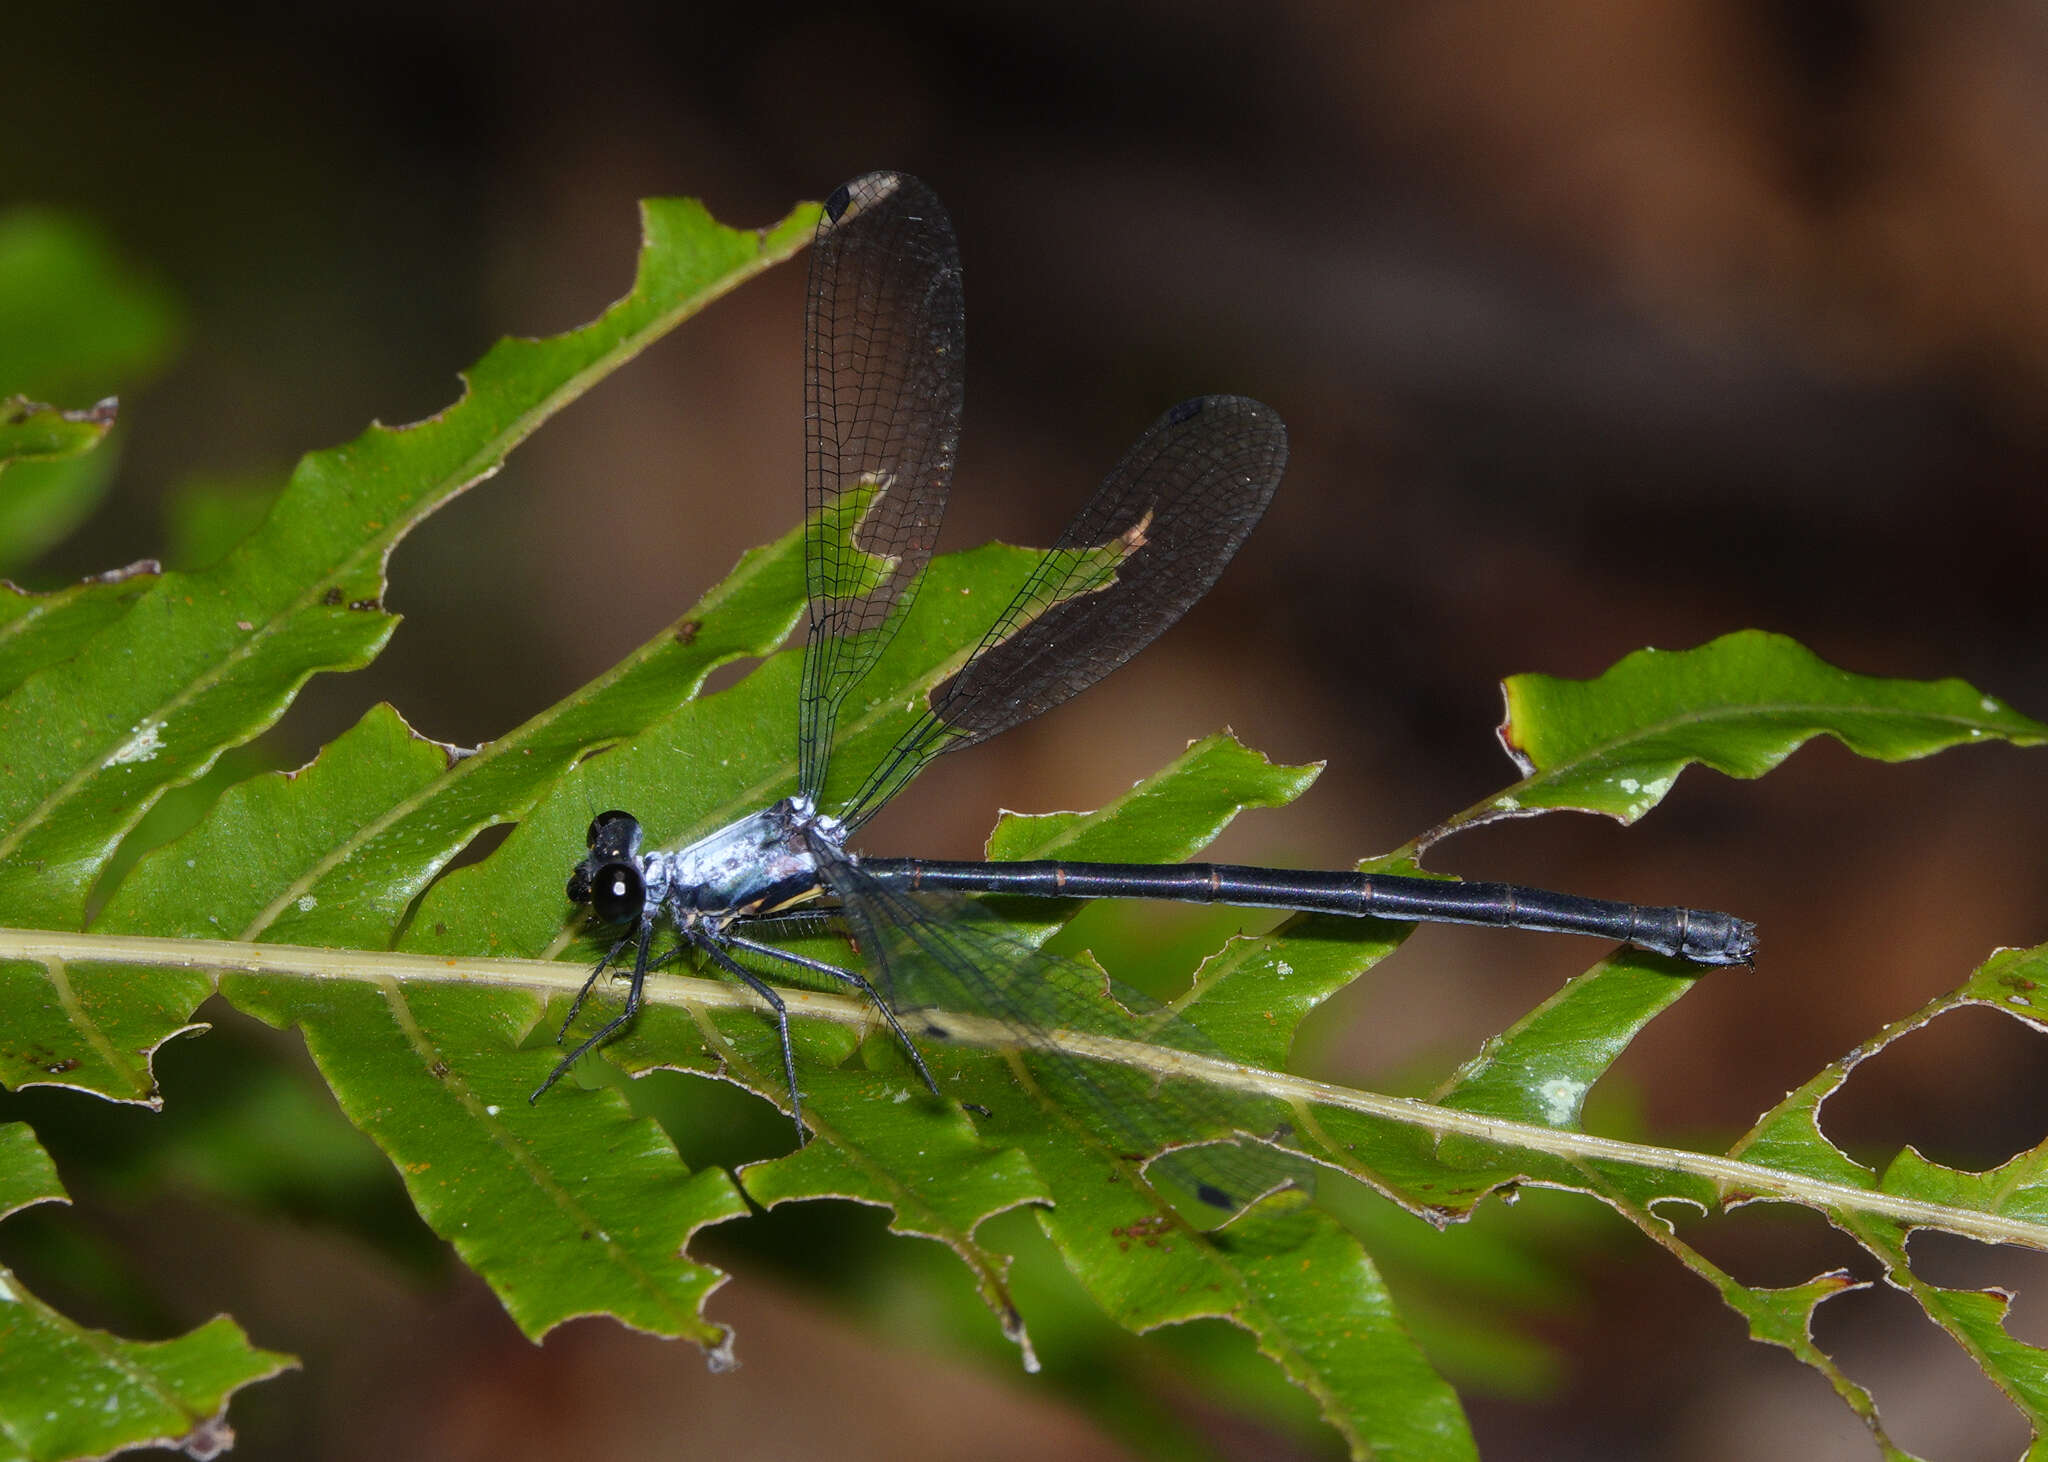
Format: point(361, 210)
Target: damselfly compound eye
point(617, 892)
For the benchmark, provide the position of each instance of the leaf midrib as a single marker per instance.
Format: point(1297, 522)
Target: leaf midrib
point(1753, 1182)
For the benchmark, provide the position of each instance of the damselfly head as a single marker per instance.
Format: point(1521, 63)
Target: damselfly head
point(609, 878)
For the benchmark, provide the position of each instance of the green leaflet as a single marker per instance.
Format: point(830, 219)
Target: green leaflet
point(206, 660)
point(1616, 743)
point(66, 1391)
point(564, 1223)
point(33, 432)
point(27, 1176)
point(40, 630)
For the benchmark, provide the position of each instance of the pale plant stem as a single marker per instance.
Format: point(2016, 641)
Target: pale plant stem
point(1754, 1183)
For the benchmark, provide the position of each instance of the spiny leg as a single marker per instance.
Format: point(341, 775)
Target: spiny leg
point(760, 987)
point(645, 935)
point(860, 983)
point(576, 1005)
point(812, 920)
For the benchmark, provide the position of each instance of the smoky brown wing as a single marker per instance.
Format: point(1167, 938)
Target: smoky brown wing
point(1149, 543)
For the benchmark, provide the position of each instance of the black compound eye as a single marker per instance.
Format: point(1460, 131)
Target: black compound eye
point(617, 892)
point(603, 820)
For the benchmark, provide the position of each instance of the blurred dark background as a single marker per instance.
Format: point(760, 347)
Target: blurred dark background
point(1595, 326)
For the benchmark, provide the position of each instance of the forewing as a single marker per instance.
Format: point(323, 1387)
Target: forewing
point(885, 345)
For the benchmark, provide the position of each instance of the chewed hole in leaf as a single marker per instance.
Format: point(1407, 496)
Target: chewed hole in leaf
point(1775, 1245)
point(1968, 1090)
point(1934, 1402)
point(480, 847)
point(1953, 1261)
point(725, 677)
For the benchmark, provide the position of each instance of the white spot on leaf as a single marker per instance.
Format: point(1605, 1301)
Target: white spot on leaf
point(1560, 1097)
point(143, 745)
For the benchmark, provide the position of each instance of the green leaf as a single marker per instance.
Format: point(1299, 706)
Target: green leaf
point(1616, 744)
point(207, 515)
point(66, 1391)
point(565, 1223)
point(91, 1024)
point(1175, 813)
point(206, 660)
point(27, 1176)
point(1296, 1281)
point(41, 630)
point(1542, 1068)
point(33, 432)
